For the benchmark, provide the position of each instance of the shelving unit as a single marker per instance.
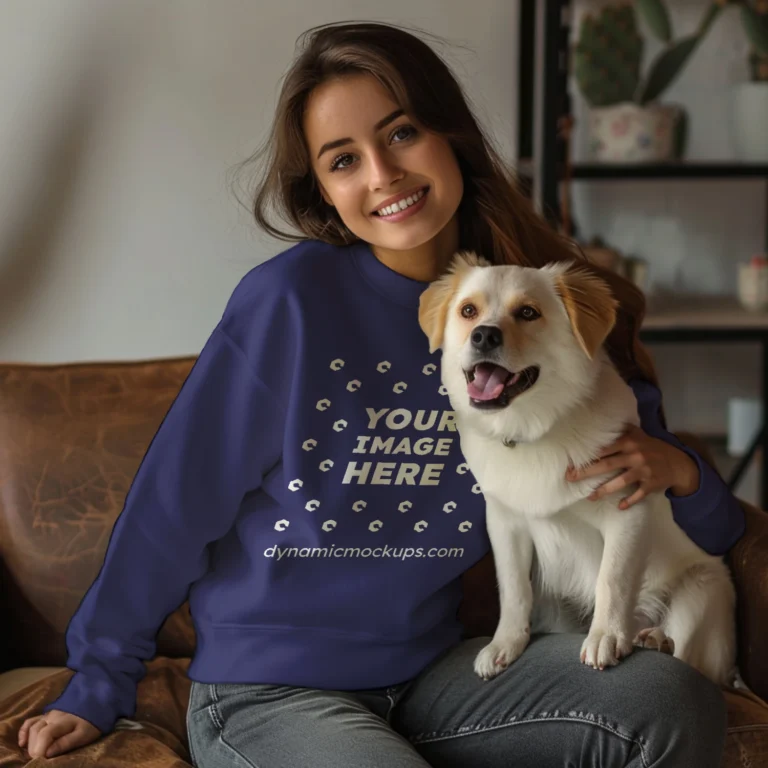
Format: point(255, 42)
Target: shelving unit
point(544, 102)
point(678, 170)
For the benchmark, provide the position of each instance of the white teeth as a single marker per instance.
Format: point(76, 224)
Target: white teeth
point(401, 205)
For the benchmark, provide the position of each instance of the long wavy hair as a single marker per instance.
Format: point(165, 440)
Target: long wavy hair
point(496, 219)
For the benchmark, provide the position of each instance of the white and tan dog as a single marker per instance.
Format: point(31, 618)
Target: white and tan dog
point(534, 392)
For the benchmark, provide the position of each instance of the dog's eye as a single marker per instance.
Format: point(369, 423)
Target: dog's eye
point(527, 313)
point(469, 310)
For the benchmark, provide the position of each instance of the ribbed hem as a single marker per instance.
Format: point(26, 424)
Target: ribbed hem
point(96, 700)
point(711, 516)
point(313, 658)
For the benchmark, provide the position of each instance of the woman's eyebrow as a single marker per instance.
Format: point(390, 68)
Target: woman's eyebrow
point(381, 124)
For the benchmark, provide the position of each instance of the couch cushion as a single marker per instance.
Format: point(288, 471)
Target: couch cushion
point(71, 440)
point(747, 740)
point(156, 737)
point(16, 679)
point(748, 561)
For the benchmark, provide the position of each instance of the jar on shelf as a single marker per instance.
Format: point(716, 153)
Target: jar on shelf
point(752, 287)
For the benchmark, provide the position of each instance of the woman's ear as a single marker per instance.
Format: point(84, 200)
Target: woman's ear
point(590, 305)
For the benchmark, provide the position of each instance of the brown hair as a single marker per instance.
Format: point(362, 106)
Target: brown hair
point(495, 219)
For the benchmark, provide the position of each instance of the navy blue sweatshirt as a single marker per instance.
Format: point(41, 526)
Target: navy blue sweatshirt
point(306, 491)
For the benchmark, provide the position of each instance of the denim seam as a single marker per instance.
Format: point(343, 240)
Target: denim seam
point(213, 708)
point(192, 755)
point(219, 724)
point(481, 729)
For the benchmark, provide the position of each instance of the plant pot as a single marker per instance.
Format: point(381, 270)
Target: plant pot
point(749, 121)
point(629, 133)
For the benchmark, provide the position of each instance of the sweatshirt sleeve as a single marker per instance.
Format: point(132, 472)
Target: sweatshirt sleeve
point(220, 437)
point(711, 515)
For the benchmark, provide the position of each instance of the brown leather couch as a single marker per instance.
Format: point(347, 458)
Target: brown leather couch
point(71, 439)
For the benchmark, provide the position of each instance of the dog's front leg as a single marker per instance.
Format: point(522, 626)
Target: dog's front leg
point(625, 555)
point(512, 551)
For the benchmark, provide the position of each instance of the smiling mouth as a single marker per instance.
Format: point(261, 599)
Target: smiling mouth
point(396, 208)
point(492, 386)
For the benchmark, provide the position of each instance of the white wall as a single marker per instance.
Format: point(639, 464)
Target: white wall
point(120, 237)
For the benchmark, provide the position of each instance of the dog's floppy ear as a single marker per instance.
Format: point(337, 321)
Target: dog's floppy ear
point(434, 302)
point(590, 305)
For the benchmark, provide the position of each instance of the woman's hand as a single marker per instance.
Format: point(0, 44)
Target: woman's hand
point(55, 733)
point(653, 464)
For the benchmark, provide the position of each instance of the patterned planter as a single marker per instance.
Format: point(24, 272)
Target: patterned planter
point(628, 133)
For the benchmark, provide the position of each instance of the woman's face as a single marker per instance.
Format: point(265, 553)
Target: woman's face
point(367, 155)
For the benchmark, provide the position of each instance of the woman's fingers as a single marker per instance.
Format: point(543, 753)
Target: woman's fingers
point(602, 467)
point(43, 734)
point(24, 730)
point(55, 733)
point(627, 443)
point(630, 501)
point(616, 484)
point(77, 738)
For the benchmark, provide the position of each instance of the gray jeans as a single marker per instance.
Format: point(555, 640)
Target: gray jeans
point(547, 709)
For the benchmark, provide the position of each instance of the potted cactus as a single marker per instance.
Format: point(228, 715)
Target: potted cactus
point(750, 99)
point(626, 121)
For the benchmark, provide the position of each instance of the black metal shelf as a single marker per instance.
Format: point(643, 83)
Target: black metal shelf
point(672, 170)
point(544, 102)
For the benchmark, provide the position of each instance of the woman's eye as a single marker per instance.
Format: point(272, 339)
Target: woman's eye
point(340, 162)
point(403, 132)
point(468, 310)
point(527, 313)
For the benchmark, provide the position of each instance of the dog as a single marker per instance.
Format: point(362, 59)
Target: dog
point(534, 392)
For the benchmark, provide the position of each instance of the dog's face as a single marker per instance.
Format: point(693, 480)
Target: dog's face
point(519, 344)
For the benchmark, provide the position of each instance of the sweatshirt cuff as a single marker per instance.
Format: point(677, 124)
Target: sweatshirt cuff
point(94, 701)
point(703, 496)
point(702, 514)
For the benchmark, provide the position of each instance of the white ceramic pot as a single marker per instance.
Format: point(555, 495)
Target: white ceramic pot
point(628, 133)
point(749, 121)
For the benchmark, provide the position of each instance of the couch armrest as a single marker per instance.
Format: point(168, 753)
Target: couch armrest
point(748, 561)
point(7, 661)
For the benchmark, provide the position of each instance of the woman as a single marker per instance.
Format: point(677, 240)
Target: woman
point(306, 489)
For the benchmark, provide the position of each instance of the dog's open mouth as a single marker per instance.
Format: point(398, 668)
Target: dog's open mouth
point(490, 385)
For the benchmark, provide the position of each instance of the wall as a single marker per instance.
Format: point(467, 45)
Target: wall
point(120, 236)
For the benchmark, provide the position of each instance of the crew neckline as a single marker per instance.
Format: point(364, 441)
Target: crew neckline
point(394, 286)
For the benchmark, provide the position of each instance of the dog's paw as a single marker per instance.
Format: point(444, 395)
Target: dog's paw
point(654, 638)
point(604, 648)
point(500, 653)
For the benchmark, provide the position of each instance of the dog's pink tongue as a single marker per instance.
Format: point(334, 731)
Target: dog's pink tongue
point(488, 383)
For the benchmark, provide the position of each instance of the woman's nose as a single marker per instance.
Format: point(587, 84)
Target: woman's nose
point(384, 170)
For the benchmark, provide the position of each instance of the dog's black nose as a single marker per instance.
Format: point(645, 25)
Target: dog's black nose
point(486, 337)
